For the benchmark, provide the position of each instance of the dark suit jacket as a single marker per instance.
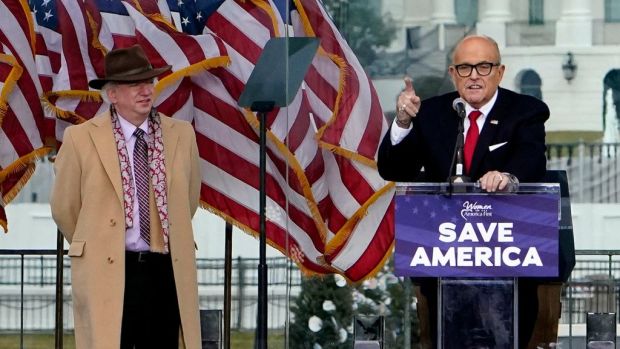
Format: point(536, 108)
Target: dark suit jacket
point(515, 119)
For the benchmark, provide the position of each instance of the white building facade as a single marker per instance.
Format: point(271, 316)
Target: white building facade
point(535, 38)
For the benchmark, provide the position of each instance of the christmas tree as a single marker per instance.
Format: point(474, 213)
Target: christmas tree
point(323, 314)
point(324, 310)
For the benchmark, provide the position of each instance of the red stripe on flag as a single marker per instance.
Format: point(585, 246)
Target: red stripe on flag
point(321, 87)
point(27, 87)
point(234, 37)
point(223, 112)
point(378, 249)
point(372, 134)
point(248, 218)
point(299, 130)
point(246, 172)
point(3, 221)
point(336, 218)
point(16, 133)
point(73, 59)
point(259, 14)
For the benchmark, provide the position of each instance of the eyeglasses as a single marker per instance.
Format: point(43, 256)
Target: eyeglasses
point(483, 69)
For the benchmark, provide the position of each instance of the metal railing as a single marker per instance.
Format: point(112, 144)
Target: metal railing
point(38, 268)
point(57, 293)
point(28, 303)
point(28, 280)
point(593, 170)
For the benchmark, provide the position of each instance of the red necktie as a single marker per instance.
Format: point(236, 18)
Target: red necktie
point(471, 139)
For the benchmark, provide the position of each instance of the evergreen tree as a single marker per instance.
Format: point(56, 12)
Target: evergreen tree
point(322, 314)
point(385, 295)
point(363, 26)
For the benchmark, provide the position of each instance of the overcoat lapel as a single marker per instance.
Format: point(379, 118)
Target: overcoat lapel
point(103, 138)
point(171, 140)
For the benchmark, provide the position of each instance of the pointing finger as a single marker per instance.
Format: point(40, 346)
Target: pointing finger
point(408, 84)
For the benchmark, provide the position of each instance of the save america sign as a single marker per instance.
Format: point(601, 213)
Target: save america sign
point(477, 235)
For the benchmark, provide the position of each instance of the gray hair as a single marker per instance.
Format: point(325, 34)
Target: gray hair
point(110, 85)
point(104, 91)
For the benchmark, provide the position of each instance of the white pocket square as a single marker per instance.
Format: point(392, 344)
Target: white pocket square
point(495, 146)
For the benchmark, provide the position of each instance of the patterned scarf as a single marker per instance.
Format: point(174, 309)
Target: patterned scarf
point(157, 170)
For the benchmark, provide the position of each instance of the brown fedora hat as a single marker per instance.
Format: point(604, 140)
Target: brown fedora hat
point(127, 65)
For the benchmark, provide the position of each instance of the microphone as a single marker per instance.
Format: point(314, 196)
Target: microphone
point(457, 159)
point(458, 104)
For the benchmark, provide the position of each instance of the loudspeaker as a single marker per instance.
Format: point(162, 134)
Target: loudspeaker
point(601, 331)
point(211, 328)
point(368, 331)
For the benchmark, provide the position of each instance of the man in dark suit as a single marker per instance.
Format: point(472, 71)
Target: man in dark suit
point(510, 147)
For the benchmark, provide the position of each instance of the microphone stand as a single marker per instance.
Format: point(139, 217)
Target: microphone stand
point(457, 157)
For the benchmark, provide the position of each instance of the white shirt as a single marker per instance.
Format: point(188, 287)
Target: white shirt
point(397, 134)
point(133, 241)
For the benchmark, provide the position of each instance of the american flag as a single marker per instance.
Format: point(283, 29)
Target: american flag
point(350, 139)
point(339, 209)
point(48, 40)
point(327, 207)
point(119, 23)
point(83, 48)
point(23, 127)
point(3, 222)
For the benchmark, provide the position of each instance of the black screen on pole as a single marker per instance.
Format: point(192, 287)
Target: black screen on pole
point(279, 71)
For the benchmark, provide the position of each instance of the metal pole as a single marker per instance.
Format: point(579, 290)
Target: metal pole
point(240, 291)
point(59, 328)
point(570, 312)
point(21, 301)
point(407, 314)
point(582, 171)
point(227, 284)
point(262, 265)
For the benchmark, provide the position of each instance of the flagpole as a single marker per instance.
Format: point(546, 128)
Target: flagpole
point(262, 107)
point(227, 284)
point(266, 88)
point(58, 328)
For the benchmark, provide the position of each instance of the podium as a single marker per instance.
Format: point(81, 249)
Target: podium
point(478, 245)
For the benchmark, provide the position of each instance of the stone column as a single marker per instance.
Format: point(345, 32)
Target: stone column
point(493, 20)
point(574, 28)
point(443, 12)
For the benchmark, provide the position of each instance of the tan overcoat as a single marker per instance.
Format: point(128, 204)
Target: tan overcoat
point(87, 205)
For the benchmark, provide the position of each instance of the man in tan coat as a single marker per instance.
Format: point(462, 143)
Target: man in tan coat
point(127, 185)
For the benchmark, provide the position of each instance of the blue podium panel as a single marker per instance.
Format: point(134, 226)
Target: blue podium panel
point(476, 245)
point(477, 313)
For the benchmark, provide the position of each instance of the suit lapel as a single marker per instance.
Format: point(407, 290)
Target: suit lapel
point(449, 125)
point(103, 138)
point(171, 140)
point(488, 133)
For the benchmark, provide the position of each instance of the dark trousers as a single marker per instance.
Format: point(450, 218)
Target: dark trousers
point(427, 311)
point(150, 310)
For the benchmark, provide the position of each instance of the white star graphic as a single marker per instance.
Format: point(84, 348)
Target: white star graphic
point(48, 15)
point(199, 15)
point(185, 21)
point(45, 2)
point(180, 3)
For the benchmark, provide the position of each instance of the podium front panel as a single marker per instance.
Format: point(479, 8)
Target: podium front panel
point(472, 233)
point(477, 313)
